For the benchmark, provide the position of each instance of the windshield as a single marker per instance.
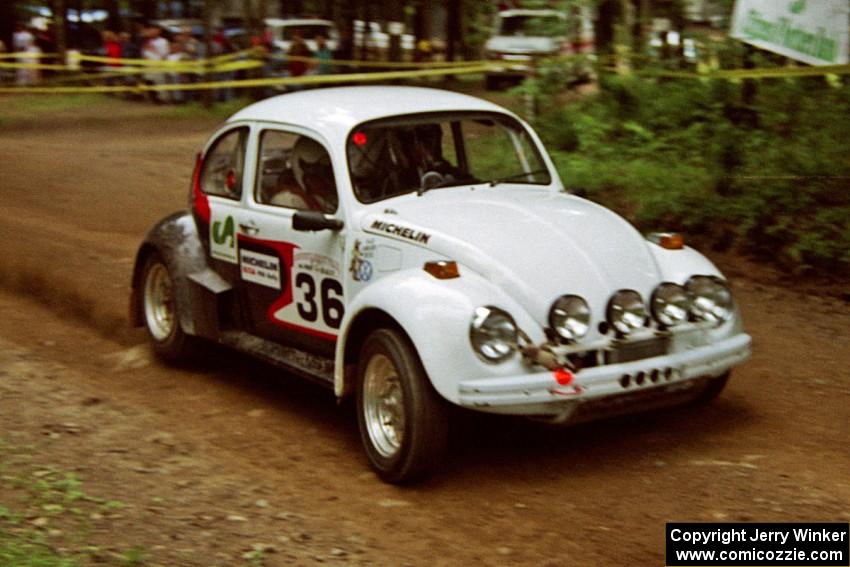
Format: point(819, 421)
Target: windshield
point(531, 26)
point(391, 157)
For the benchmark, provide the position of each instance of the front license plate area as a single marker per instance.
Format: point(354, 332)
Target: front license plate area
point(638, 350)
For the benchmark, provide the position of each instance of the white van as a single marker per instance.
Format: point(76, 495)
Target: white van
point(521, 36)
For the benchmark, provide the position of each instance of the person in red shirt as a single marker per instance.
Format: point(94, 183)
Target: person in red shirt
point(298, 48)
point(111, 47)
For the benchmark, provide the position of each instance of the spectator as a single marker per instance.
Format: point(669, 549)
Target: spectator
point(132, 46)
point(156, 48)
point(324, 55)
point(3, 73)
point(345, 48)
point(297, 67)
point(23, 41)
point(221, 45)
point(111, 47)
point(176, 77)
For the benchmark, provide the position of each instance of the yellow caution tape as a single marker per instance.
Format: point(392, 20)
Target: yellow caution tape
point(737, 74)
point(224, 67)
point(25, 55)
point(169, 64)
point(475, 67)
point(44, 66)
point(250, 83)
point(284, 58)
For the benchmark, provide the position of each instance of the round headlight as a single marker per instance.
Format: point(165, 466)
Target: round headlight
point(570, 317)
point(670, 304)
point(711, 299)
point(493, 334)
point(626, 311)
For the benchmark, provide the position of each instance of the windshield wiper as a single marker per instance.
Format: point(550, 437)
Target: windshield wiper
point(447, 181)
point(495, 182)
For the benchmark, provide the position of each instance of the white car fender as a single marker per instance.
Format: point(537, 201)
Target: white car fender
point(678, 265)
point(436, 315)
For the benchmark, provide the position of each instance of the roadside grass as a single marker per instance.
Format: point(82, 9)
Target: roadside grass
point(196, 109)
point(22, 108)
point(46, 517)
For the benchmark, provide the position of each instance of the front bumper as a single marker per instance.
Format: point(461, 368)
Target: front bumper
point(512, 65)
point(550, 394)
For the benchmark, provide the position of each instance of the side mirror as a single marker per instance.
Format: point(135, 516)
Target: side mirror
point(314, 220)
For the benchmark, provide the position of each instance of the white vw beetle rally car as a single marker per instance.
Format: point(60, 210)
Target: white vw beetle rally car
point(415, 248)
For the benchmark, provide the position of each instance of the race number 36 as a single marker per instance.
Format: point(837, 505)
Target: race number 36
point(324, 301)
point(316, 306)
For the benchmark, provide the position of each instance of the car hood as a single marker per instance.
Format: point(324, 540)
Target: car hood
point(536, 244)
point(522, 45)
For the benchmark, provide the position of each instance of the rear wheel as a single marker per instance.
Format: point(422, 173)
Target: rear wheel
point(159, 307)
point(403, 420)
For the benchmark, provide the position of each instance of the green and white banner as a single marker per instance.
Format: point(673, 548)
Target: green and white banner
point(811, 31)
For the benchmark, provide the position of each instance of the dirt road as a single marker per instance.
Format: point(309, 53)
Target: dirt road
point(232, 463)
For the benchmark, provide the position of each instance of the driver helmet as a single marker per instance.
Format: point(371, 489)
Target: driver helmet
point(310, 160)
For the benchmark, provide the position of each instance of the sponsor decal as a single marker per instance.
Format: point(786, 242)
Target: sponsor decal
point(812, 32)
point(402, 231)
point(361, 268)
point(311, 302)
point(316, 264)
point(223, 240)
point(259, 268)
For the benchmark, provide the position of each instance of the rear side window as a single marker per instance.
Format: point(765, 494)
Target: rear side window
point(224, 165)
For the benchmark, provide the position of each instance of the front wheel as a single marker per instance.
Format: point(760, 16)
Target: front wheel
point(403, 421)
point(159, 307)
point(713, 389)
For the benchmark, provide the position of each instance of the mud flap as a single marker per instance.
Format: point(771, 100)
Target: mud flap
point(207, 292)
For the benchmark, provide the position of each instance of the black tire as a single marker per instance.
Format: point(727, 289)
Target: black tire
point(158, 306)
point(420, 447)
point(713, 389)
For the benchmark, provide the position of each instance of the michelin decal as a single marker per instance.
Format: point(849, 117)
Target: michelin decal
point(259, 268)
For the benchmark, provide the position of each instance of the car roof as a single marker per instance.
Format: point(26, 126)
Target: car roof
point(538, 13)
point(279, 22)
point(333, 112)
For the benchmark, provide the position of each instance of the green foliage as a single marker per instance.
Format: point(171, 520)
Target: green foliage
point(771, 177)
point(47, 498)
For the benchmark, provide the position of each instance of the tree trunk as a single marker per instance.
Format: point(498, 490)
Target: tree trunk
point(422, 30)
point(60, 23)
point(396, 16)
point(208, 95)
point(644, 25)
point(147, 8)
point(7, 23)
point(606, 15)
point(114, 22)
point(453, 29)
point(248, 18)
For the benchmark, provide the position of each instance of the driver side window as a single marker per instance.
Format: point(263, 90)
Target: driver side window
point(224, 165)
point(294, 171)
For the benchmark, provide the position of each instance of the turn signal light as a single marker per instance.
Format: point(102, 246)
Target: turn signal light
point(442, 270)
point(668, 240)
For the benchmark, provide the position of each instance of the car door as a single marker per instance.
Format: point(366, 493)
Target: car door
point(292, 280)
point(219, 211)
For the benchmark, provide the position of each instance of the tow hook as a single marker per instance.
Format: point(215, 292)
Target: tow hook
point(564, 384)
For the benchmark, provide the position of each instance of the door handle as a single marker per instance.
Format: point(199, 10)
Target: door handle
point(249, 228)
